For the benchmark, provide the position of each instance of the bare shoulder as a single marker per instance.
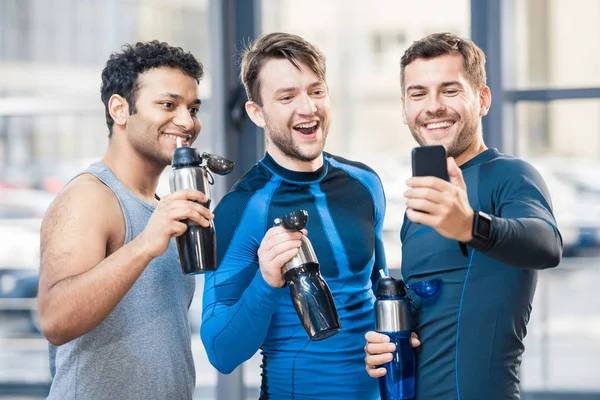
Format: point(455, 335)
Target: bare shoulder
point(84, 218)
point(83, 200)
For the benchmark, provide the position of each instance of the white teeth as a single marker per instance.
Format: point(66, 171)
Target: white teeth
point(308, 125)
point(174, 137)
point(438, 125)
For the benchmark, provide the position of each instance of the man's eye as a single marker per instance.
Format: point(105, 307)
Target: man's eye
point(417, 95)
point(286, 98)
point(451, 91)
point(167, 104)
point(194, 111)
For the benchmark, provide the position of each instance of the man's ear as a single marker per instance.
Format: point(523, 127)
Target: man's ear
point(255, 113)
point(118, 109)
point(485, 101)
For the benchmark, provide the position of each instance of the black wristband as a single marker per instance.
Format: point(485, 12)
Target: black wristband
point(482, 229)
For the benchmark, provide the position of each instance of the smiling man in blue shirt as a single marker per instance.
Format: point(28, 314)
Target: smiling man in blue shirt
point(246, 306)
point(484, 234)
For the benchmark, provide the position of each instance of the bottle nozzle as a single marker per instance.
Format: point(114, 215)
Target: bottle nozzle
point(382, 274)
point(388, 286)
point(295, 220)
point(179, 142)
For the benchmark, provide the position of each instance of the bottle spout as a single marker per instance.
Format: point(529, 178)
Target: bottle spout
point(294, 221)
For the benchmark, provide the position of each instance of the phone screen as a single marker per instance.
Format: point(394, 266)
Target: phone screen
point(430, 161)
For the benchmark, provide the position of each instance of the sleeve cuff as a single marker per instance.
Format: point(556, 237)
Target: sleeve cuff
point(264, 296)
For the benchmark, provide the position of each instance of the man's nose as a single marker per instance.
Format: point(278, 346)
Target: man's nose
point(435, 106)
point(306, 105)
point(184, 119)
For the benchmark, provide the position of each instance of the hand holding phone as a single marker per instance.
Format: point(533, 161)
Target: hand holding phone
point(443, 206)
point(430, 161)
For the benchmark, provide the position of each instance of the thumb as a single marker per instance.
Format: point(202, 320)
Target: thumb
point(455, 174)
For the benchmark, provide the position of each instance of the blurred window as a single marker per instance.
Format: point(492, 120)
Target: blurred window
point(556, 43)
point(554, 49)
point(568, 129)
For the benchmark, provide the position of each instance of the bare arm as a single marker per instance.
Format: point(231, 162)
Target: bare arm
point(84, 273)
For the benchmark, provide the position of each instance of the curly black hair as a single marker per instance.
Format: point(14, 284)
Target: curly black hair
point(120, 76)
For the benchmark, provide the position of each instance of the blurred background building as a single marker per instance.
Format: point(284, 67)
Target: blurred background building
point(542, 69)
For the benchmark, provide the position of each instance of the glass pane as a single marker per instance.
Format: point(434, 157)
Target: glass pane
point(553, 38)
point(563, 339)
point(566, 128)
point(52, 126)
point(561, 140)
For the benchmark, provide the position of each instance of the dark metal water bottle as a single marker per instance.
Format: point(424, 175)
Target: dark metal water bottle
point(393, 315)
point(310, 294)
point(197, 246)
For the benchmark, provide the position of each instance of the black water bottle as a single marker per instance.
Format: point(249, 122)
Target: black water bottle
point(310, 294)
point(197, 247)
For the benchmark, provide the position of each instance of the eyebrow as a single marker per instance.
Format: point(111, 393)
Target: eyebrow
point(284, 90)
point(415, 87)
point(176, 96)
point(451, 83)
point(291, 89)
point(442, 85)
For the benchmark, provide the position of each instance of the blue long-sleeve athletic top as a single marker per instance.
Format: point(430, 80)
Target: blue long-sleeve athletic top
point(472, 331)
point(242, 313)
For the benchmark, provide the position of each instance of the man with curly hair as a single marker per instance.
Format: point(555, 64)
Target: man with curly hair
point(113, 301)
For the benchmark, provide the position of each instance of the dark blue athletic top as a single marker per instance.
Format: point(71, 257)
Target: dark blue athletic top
point(472, 332)
point(242, 313)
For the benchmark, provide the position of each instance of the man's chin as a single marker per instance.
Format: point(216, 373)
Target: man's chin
point(310, 156)
point(166, 158)
point(432, 141)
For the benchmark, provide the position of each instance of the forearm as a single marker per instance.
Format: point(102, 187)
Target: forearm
point(75, 305)
point(523, 242)
point(233, 333)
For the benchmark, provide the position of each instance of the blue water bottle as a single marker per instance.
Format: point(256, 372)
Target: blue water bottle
point(393, 318)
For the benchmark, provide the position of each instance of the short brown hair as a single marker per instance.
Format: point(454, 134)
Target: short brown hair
point(277, 45)
point(439, 44)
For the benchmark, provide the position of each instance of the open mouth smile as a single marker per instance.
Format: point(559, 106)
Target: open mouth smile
point(438, 127)
point(307, 128)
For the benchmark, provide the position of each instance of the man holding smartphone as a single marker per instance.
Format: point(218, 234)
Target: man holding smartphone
point(484, 233)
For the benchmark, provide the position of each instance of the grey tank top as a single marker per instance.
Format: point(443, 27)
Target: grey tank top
point(142, 350)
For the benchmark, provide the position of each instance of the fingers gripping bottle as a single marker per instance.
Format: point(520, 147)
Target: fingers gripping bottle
point(310, 294)
point(197, 246)
point(393, 318)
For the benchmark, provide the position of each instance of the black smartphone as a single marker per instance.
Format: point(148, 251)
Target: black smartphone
point(430, 161)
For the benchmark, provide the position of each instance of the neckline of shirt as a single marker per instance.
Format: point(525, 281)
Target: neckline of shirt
point(296, 176)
